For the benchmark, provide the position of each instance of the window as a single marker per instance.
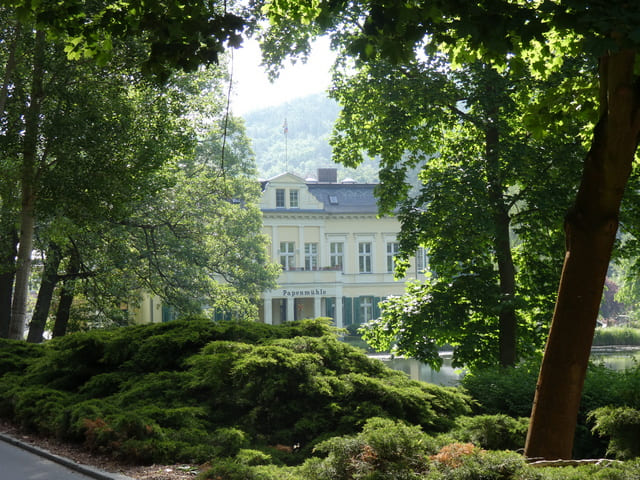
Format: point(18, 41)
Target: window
point(422, 263)
point(392, 250)
point(366, 309)
point(287, 255)
point(310, 256)
point(364, 257)
point(293, 199)
point(280, 198)
point(336, 250)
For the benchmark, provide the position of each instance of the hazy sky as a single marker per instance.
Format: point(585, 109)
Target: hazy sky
point(252, 89)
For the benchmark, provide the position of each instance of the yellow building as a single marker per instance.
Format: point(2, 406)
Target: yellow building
point(336, 254)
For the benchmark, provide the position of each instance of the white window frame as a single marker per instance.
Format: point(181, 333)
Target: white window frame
point(294, 198)
point(393, 248)
point(422, 261)
point(365, 257)
point(366, 309)
point(336, 255)
point(311, 256)
point(288, 255)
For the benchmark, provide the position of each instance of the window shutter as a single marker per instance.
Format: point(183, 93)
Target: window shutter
point(347, 310)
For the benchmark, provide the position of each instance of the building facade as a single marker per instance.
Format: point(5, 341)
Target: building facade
point(337, 256)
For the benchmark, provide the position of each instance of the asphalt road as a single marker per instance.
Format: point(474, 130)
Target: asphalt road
point(18, 464)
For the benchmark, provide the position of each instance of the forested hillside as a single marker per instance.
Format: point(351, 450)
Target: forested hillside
point(306, 148)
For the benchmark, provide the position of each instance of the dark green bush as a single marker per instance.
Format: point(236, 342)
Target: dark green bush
point(15, 356)
point(167, 392)
point(493, 432)
point(499, 390)
point(510, 391)
point(622, 426)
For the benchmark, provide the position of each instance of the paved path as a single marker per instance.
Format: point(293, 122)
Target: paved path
point(20, 461)
point(18, 464)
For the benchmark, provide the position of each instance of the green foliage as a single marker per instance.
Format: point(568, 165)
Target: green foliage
point(459, 165)
point(616, 336)
point(15, 355)
point(193, 390)
point(383, 450)
point(507, 391)
point(492, 432)
point(510, 392)
point(622, 426)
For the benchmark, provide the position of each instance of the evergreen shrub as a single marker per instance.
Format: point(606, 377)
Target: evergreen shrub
point(189, 391)
point(492, 432)
point(622, 426)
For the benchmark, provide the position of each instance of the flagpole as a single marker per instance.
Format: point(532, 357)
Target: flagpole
point(285, 130)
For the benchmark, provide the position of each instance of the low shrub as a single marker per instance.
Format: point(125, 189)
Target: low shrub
point(384, 449)
point(193, 390)
point(510, 391)
point(492, 432)
point(622, 426)
point(500, 390)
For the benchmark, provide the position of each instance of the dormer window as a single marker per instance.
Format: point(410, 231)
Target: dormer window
point(293, 199)
point(280, 198)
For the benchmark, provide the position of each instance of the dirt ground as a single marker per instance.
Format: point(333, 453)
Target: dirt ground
point(78, 454)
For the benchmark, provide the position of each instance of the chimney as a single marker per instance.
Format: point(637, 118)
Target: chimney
point(327, 175)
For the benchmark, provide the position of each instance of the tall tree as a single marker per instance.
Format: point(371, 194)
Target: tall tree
point(476, 207)
point(541, 33)
point(163, 199)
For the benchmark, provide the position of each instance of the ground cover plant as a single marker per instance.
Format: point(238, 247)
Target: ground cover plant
point(192, 390)
point(289, 402)
point(608, 398)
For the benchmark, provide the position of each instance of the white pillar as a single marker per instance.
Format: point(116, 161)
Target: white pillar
point(268, 311)
point(291, 309)
point(338, 311)
point(317, 307)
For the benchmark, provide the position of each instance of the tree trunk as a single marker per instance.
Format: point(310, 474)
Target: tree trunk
point(590, 233)
point(66, 296)
point(9, 69)
point(8, 251)
point(27, 215)
point(45, 294)
point(507, 317)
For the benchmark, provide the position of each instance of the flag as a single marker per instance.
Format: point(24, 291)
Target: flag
point(285, 128)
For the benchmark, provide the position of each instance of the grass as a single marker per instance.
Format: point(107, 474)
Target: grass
point(617, 336)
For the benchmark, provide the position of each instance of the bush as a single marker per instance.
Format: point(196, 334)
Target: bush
point(622, 426)
point(385, 449)
point(493, 432)
point(193, 390)
point(463, 462)
point(499, 390)
point(510, 391)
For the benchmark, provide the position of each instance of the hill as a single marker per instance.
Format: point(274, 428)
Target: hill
point(305, 147)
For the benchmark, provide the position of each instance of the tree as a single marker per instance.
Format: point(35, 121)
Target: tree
point(541, 33)
point(94, 30)
point(199, 30)
point(175, 226)
point(477, 208)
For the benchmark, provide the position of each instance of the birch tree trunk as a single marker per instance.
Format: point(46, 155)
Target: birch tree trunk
point(590, 228)
point(28, 193)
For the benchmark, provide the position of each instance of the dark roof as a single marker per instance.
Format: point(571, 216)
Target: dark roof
point(345, 197)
